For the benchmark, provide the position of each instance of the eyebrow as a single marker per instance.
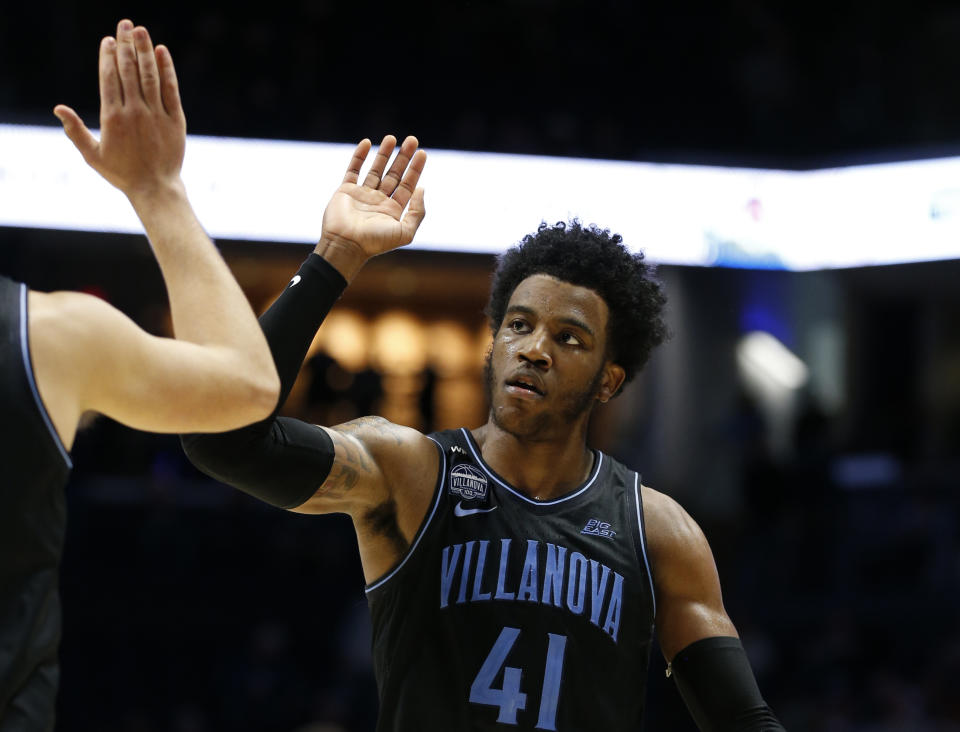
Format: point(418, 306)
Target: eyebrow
point(568, 320)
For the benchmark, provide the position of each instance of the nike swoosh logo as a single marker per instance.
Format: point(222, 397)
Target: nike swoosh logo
point(295, 280)
point(460, 511)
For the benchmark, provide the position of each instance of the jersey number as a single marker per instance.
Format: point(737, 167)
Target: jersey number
point(509, 698)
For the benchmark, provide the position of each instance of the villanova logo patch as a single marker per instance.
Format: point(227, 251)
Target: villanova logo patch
point(468, 482)
point(596, 527)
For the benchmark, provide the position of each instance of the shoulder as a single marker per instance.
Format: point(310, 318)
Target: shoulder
point(671, 531)
point(70, 341)
point(62, 326)
point(73, 313)
point(85, 333)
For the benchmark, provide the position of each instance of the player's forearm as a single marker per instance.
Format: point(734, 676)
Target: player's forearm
point(293, 319)
point(207, 305)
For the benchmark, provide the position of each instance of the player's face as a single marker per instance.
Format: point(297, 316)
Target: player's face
point(548, 362)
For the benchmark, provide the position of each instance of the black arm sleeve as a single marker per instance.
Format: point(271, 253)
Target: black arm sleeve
point(714, 678)
point(280, 460)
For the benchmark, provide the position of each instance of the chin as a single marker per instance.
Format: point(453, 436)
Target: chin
point(514, 422)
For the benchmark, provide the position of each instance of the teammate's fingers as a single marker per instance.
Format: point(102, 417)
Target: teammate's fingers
point(414, 216)
point(380, 162)
point(111, 93)
point(356, 162)
point(411, 177)
point(392, 179)
point(127, 63)
point(147, 63)
point(76, 131)
point(169, 86)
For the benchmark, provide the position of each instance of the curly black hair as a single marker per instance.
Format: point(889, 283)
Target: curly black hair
point(590, 257)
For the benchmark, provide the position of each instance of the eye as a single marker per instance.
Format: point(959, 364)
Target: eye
point(517, 325)
point(570, 339)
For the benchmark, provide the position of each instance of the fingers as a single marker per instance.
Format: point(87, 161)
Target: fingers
point(76, 131)
point(379, 163)
point(356, 162)
point(169, 87)
point(411, 176)
point(127, 62)
point(147, 63)
point(111, 93)
point(414, 217)
point(392, 178)
point(400, 182)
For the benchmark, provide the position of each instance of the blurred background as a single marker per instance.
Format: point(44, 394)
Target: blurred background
point(827, 483)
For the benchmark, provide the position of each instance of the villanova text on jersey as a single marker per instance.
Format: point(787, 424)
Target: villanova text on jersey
point(582, 586)
point(510, 613)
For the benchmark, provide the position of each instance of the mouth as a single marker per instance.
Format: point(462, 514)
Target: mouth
point(524, 385)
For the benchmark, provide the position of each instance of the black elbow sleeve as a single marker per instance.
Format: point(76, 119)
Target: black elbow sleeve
point(717, 684)
point(281, 462)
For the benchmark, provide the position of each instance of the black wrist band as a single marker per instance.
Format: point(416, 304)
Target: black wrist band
point(292, 321)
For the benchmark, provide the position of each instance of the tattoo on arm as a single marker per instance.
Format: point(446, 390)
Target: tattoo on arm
point(376, 426)
point(350, 465)
point(352, 462)
point(341, 481)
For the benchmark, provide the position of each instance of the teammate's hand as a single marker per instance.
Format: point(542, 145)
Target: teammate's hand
point(142, 126)
point(369, 218)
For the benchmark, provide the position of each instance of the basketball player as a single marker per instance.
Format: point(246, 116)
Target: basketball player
point(66, 353)
point(515, 576)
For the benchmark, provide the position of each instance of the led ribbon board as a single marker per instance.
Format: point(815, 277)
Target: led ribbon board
point(275, 191)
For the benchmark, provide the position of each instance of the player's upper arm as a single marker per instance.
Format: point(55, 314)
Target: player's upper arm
point(376, 462)
point(87, 355)
point(689, 600)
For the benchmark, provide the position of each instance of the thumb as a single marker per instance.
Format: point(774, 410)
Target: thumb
point(76, 131)
point(414, 216)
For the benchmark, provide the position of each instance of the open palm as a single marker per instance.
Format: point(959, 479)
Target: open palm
point(370, 216)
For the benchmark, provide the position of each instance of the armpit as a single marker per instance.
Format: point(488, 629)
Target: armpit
point(381, 521)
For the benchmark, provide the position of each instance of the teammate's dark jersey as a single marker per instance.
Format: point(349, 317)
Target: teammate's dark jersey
point(508, 612)
point(33, 470)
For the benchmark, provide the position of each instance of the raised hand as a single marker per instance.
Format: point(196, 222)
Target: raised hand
point(142, 125)
point(368, 219)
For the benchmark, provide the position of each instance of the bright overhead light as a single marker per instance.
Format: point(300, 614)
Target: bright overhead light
point(763, 357)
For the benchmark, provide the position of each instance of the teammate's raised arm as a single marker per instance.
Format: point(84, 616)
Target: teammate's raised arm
point(217, 373)
point(64, 353)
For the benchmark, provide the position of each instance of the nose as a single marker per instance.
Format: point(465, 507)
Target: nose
point(534, 349)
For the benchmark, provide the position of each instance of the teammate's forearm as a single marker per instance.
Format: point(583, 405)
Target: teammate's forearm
point(207, 305)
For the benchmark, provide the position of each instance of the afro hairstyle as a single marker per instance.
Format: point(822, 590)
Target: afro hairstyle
point(594, 258)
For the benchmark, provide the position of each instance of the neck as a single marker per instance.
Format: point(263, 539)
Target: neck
point(540, 469)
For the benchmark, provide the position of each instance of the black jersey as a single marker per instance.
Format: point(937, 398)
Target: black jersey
point(508, 612)
point(33, 471)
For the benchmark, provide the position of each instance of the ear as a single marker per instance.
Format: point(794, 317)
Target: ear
point(613, 376)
